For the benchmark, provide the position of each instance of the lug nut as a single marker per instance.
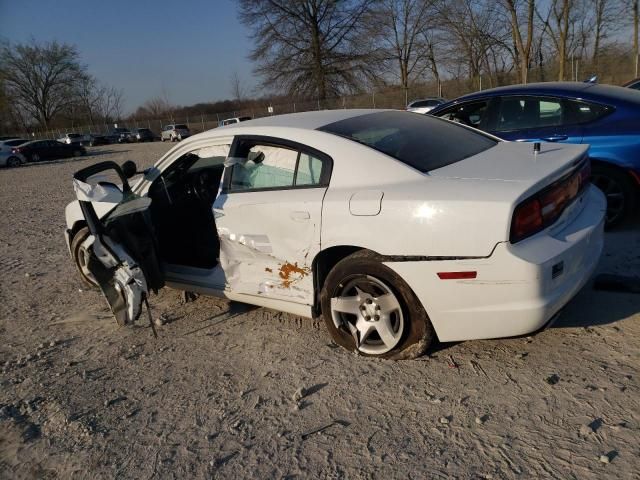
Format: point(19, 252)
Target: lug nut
point(367, 318)
point(363, 308)
point(377, 317)
point(369, 301)
point(377, 307)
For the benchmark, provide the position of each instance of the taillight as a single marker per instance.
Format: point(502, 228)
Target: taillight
point(15, 150)
point(544, 208)
point(527, 220)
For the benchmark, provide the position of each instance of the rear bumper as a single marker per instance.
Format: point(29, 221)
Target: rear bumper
point(520, 287)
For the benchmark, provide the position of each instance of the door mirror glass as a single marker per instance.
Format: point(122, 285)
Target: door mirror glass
point(129, 168)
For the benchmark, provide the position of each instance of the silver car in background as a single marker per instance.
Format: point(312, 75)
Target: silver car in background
point(175, 132)
point(425, 105)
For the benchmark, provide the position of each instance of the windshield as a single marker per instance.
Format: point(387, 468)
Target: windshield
point(421, 141)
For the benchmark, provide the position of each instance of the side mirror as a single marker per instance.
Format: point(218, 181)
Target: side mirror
point(129, 168)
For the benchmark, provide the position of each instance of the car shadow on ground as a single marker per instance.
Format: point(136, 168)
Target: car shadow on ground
point(592, 308)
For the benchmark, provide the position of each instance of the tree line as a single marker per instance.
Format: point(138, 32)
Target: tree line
point(322, 49)
point(325, 48)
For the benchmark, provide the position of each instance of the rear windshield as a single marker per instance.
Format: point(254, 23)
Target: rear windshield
point(180, 126)
point(421, 141)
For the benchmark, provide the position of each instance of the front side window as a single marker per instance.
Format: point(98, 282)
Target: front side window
point(472, 114)
point(519, 113)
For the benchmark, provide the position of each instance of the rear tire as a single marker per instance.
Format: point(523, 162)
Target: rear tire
point(81, 258)
point(13, 162)
point(373, 303)
point(619, 189)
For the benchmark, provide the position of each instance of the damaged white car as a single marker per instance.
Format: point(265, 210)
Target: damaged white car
point(394, 227)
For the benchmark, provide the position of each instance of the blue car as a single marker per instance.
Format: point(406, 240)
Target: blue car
point(604, 116)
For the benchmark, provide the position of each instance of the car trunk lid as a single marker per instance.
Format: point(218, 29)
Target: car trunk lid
point(518, 162)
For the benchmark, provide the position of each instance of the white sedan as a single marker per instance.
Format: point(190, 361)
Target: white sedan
point(395, 227)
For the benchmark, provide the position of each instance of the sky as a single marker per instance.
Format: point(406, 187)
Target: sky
point(187, 49)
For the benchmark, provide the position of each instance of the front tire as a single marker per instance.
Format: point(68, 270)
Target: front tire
point(81, 258)
point(619, 190)
point(369, 309)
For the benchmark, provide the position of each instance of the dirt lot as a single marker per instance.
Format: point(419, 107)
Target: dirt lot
point(215, 394)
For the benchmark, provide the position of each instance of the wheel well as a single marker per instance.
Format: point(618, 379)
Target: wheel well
point(76, 228)
point(322, 265)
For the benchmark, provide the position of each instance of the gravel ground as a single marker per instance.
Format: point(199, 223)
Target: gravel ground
point(233, 391)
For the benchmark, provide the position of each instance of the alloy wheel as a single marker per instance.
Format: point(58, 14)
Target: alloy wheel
point(371, 311)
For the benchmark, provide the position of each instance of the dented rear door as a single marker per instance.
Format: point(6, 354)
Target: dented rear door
point(268, 217)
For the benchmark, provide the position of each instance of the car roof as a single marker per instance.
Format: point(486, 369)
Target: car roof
point(303, 120)
point(581, 90)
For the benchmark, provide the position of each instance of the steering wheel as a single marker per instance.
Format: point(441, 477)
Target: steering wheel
point(202, 187)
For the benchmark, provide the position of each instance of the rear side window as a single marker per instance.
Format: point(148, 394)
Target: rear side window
point(518, 113)
point(13, 143)
point(181, 126)
point(423, 142)
point(267, 167)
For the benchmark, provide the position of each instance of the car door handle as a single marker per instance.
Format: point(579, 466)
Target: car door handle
point(299, 216)
point(555, 138)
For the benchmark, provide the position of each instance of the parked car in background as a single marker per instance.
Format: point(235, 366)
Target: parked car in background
point(120, 135)
point(487, 242)
point(11, 159)
point(635, 84)
point(231, 121)
point(605, 117)
point(71, 138)
point(175, 132)
point(425, 105)
point(94, 140)
point(7, 145)
point(144, 135)
point(39, 150)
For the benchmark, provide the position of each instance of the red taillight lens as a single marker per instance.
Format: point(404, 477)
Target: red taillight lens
point(527, 220)
point(544, 208)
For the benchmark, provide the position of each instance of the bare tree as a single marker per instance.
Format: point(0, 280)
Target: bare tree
point(238, 90)
point(523, 46)
point(398, 29)
point(41, 78)
point(307, 47)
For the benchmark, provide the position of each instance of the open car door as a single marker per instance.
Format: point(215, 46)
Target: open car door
point(123, 247)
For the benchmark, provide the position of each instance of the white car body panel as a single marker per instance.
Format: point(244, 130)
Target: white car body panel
point(268, 241)
point(455, 218)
